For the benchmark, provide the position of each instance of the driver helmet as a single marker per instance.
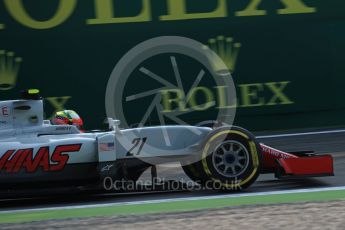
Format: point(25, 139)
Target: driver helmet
point(67, 117)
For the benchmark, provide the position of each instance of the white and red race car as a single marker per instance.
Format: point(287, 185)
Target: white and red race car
point(36, 154)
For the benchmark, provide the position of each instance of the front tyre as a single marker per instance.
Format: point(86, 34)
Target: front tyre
point(231, 158)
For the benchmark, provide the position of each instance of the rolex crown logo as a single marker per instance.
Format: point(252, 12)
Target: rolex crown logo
point(9, 68)
point(226, 49)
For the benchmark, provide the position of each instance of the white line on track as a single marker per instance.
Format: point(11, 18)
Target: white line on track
point(179, 199)
point(302, 134)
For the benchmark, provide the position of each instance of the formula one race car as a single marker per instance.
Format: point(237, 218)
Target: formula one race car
point(36, 154)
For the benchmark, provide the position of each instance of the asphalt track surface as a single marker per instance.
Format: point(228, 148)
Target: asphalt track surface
point(330, 143)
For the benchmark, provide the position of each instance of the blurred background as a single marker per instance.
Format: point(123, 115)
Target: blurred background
point(286, 56)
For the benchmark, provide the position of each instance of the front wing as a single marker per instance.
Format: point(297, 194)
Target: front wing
point(302, 164)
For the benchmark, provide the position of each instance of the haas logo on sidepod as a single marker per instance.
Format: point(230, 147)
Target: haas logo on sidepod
point(15, 160)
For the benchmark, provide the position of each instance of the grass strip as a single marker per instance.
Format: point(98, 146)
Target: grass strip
point(170, 206)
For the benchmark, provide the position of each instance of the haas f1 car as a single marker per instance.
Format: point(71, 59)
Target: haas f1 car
point(36, 154)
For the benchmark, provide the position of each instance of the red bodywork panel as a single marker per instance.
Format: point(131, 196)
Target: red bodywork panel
point(288, 164)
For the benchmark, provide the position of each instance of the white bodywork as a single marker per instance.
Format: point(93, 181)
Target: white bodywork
point(22, 127)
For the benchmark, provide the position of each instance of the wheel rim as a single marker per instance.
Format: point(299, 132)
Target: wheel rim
point(230, 158)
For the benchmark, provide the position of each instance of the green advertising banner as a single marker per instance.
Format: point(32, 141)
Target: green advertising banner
point(286, 57)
